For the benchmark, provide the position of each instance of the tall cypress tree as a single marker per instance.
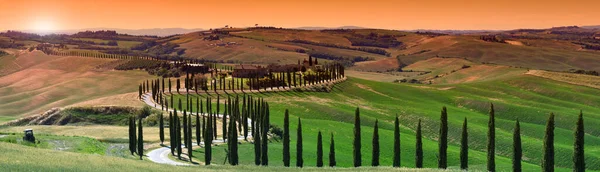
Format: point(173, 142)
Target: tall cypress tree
point(517, 150)
point(265, 129)
point(375, 156)
point(299, 160)
point(443, 140)
point(178, 135)
point(189, 132)
point(396, 160)
point(491, 143)
point(548, 158)
point(185, 128)
point(419, 147)
point(357, 147)
point(319, 150)
point(332, 162)
point(171, 133)
point(286, 139)
point(233, 137)
point(198, 131)
point(208, 136)
point(132, 137)
point(161, 128)
point(578, 153)
point(257, 134)
point(464, 147)
point(140, 141)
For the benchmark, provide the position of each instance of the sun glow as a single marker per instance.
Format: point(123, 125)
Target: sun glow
point(43, 25)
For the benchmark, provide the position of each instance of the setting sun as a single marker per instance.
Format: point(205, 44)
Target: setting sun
point(43, 25)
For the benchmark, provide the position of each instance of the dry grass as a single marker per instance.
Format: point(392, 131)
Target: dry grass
point(382, 65)
point(247, 50)
point(571, 78)
point(62, 81)
point(127, 99)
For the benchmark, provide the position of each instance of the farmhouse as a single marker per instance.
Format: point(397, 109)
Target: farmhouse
point(248, 71)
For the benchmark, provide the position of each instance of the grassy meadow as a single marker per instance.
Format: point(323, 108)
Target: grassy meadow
point(527, 98)
point(24, 158)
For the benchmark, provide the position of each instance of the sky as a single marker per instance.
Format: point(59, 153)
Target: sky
point(49, 15)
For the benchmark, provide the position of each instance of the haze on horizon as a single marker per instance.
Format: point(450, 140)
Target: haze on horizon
point(52, 15)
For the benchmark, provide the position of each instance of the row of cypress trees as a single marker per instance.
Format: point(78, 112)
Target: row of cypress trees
point(136, 138)
point(548, 148)
point(258, 111)
point(254, 109)
point(327, 73)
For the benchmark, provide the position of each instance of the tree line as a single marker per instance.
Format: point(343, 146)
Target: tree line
point(197, 83)
point(250, 116)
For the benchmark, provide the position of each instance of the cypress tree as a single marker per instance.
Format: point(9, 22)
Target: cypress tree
point(161, 128)
point(491, 143)
point(265, 142)
point(517, 150)
point(419, 147)
point(208, 136)
point(548, 158)
point(225, 114)
point(396, 160)
point(233, 150)
point(286, 139)
point(319, 150)
point(443, 140)
point(189, 132)
point(214, 122)
point(178, 135)
point(257, 139)
point(132, 137)
point(198, 138)
point(185, 128)
point(332, 162)
point(171, 133)
point(357, 138)
point(169, 85)
point(464, 147)
point(140, 141)
point(375, 156)
point(299, 160)
point(578, 153)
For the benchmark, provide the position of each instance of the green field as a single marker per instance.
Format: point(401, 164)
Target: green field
point(528, 98)
point(24, 158)
point(64, 143)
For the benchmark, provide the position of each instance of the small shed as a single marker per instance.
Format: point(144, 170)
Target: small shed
point(29, 135)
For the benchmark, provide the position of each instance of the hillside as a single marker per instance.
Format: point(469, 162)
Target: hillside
point(37, 82)
point(528, 98)
point(544, 50)
point(557, 49)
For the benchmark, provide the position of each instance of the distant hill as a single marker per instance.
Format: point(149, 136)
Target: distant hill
point(591, 27)
point(323, 28)
point(455, 31)
point(153, 32)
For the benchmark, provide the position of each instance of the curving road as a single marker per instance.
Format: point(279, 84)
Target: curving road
point(161, 155)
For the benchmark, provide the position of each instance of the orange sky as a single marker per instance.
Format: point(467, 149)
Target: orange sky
point(389, 14)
